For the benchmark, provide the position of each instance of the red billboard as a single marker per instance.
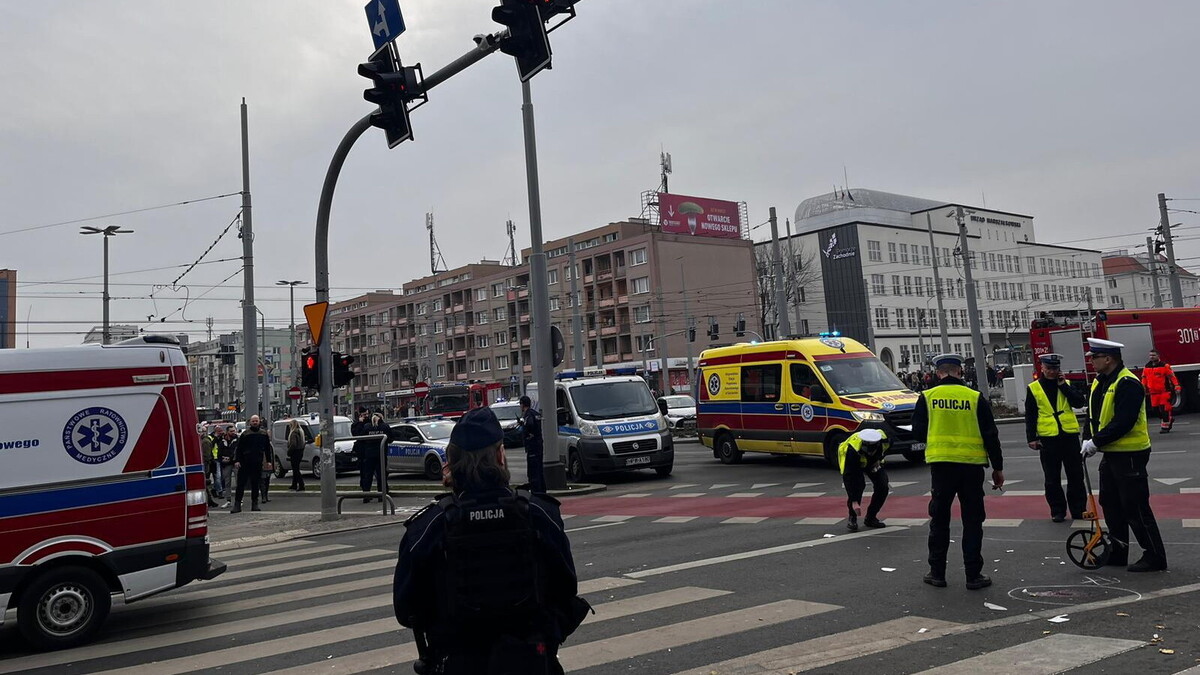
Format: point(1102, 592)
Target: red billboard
point(679, 214)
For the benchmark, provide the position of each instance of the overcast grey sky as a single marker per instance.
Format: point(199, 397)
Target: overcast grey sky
point(1077, 113)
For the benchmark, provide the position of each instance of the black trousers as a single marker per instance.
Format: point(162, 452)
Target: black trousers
point(1125, 498)
point(508, 656)
point(534, 465)
point(248, 474)
point(297, 479)
point(855, 483)
point(1061, 454)
point(948, 481)
point(368, 472)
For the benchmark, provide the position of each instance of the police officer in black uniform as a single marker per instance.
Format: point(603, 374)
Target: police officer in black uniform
point(485, 576)
point(531, 431)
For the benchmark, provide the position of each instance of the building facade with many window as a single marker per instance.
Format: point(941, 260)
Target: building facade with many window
point(878, 252)
point(1129, 283)
point(473, 323)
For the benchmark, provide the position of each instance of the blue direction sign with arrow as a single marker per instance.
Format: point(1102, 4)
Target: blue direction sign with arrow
point(385, 21)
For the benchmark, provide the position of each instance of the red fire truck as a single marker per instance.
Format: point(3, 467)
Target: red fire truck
point(454, 399)
point(1175, 333)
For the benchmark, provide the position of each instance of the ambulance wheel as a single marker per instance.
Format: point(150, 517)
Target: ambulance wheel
point(280, 468)
point(316, 467)
point(575, 470)
point(831, 448)
point(63, 607)
point(433, 467)
point(727, 449)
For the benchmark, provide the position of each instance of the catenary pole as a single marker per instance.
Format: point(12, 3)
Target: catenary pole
point(937, 280)
point(781, 310)
point(1152, 264)
point(249, 372)
point(972, 304)
point(1172, 269)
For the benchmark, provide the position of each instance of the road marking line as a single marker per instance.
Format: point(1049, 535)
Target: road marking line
point(676, 519)
point(744, 494)
point(1171, 481)
point(1054, 654)
point(289, 567)
point(596, 527)
point(911, 522)
point(902, 483)
point(610, 519)
point(202, 592)
point(718, 486)
point(283, 555)
point(1189, 491)
point(652, 601)
point(1020, 493)
point(1191, 522)
point(675, 635)
point(604, 584)
point(690, 494)
point(819, 521)
point(569, 515)
point(801, 486)
point(682, 486)
point(757, 486)
point(692, 564)
point(743, 520)
point(633, 494)
point(829, 650)
point(807, 494)
point(1003, 522)
point(239, 552)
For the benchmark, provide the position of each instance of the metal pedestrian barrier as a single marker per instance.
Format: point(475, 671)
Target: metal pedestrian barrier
point(384, 497)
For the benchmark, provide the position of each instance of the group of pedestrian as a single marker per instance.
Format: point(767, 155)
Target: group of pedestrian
point(956, 424)
point(234, 461)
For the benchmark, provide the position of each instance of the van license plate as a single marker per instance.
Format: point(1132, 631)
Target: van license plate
point(637, 460)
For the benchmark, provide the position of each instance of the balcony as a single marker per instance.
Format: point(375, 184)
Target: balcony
point(622, 299)
point(608, 330)
point(612, 358)
point(460, 307)
point(607, 302)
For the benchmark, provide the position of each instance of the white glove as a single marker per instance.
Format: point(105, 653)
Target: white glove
point(1089, 448)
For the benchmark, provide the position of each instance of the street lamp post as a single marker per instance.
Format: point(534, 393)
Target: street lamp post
point(110, 231)
point(264, 404)
point(292, 305)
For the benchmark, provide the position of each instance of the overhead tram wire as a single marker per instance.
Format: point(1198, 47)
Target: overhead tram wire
point(119, 213)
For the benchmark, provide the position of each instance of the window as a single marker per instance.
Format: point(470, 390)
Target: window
point(877, 286)
point(500, 313)
point(552, 276)
point(881, 318)
point(498, 290)
point(904, 253)
point(644, 343)
point(439, 348)
point(485, 364)
point(641, 314)
point(873, 252)
point(501, 337)
point(899, 318)
point(945, 257)
point(554, 304)
point(912, 317)
point(895, 284)
point(1112, 283)
point(420, 308)
point(480, 294)
point(908, 285)
point(805, 382)
point(482, 341)
point(762, 384)
point(437, 305)
point(920, 288)
point(637, 256)
point(471, 365)
point(501, 363)
point(441, 370)
point(892, 251)
point(437, 327)
point(481, 318)
point(1095, 271)
point(929, 290)
point(641, 285)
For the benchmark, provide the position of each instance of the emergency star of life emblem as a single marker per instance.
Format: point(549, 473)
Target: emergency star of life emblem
point(95, 435)
point(714, 384)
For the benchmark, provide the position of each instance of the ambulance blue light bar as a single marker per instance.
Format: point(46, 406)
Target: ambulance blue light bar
point(830, 333)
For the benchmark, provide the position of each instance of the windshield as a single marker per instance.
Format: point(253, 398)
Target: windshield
point(436, 431)
point(680, 401)
point(448, 402)
point(859, 376)
point(340, 430)
point(611, 400)
point(506, 413)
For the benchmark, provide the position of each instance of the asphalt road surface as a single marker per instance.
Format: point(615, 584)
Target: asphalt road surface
point(720, 570)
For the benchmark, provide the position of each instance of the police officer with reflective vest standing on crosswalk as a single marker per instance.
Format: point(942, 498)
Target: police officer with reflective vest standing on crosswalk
point(1052, 429)
point(485, 576)
point(861, 457)
point(1117, 425)
point(961, 438)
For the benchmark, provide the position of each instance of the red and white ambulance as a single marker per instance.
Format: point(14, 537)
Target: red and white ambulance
point(102, 486)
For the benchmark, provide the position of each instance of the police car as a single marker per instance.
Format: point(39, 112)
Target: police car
point(419, 446)
point(509, 415)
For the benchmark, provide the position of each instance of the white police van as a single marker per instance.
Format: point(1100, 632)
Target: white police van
point(607, 422)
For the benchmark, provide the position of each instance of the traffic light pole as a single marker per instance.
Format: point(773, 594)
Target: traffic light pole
point(483, 47)
point(539, 295)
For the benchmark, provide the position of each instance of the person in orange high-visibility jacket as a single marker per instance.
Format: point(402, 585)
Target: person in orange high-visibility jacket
point(1160, 382)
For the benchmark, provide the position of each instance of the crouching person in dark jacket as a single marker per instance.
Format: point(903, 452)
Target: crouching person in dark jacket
point(485, 576)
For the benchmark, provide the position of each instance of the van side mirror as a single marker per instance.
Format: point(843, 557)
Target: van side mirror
point(564, 417)
point(662, 407)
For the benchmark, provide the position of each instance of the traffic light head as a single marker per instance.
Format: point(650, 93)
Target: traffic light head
point(310, 370)
point(691, 333)
point(1158, 247)
point(392, 87)
point(526, 40)
point(342, 375)
point(739, 326)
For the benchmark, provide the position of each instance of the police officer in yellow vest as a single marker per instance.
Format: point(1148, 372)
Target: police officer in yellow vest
point(859, 455)
point(1117, 424)
point(961, 438)
point(1052, 429)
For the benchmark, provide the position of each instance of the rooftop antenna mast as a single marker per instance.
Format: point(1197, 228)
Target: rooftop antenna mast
point(665, 160)
point(510, 258)
point(435, 253)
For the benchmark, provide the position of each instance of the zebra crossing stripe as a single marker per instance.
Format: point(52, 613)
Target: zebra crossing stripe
point(1002, 522)
point(205, 591)
point(1187, 522)
point(265, 548)
point(819, 521)
point(281, 555)
point(604, 584)
point(674, 635)
point(743, 520)
point(1054, 654)
point(828, 650)
point(652, 601)
point(288, 567)
point(362, 662)
point(676, 519)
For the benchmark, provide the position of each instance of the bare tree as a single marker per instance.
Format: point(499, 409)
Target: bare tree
point(800, 275)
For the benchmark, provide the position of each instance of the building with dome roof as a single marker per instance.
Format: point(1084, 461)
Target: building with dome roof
point(877, 253)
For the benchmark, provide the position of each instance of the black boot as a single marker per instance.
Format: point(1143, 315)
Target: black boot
point(237, 508)
point(254, 506)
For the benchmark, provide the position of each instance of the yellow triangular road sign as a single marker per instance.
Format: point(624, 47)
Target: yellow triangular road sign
point(315, 313)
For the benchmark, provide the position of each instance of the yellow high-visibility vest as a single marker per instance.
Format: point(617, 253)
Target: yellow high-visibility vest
point(954, 434)
point(1138, 437)
point(856, 442)
point(1049, 417)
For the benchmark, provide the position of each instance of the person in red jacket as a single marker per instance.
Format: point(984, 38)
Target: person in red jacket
point(1160, 382)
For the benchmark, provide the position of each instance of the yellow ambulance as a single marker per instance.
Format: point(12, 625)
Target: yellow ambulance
point(801, 397)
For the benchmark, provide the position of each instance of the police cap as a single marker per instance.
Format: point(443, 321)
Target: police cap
point(870, 436)
point(1052, 360)
point(477, 430)
point(1098, 346)
point(947, 360)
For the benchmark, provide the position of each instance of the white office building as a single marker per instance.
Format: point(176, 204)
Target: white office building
point(878, 252)
point(1129, 282)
